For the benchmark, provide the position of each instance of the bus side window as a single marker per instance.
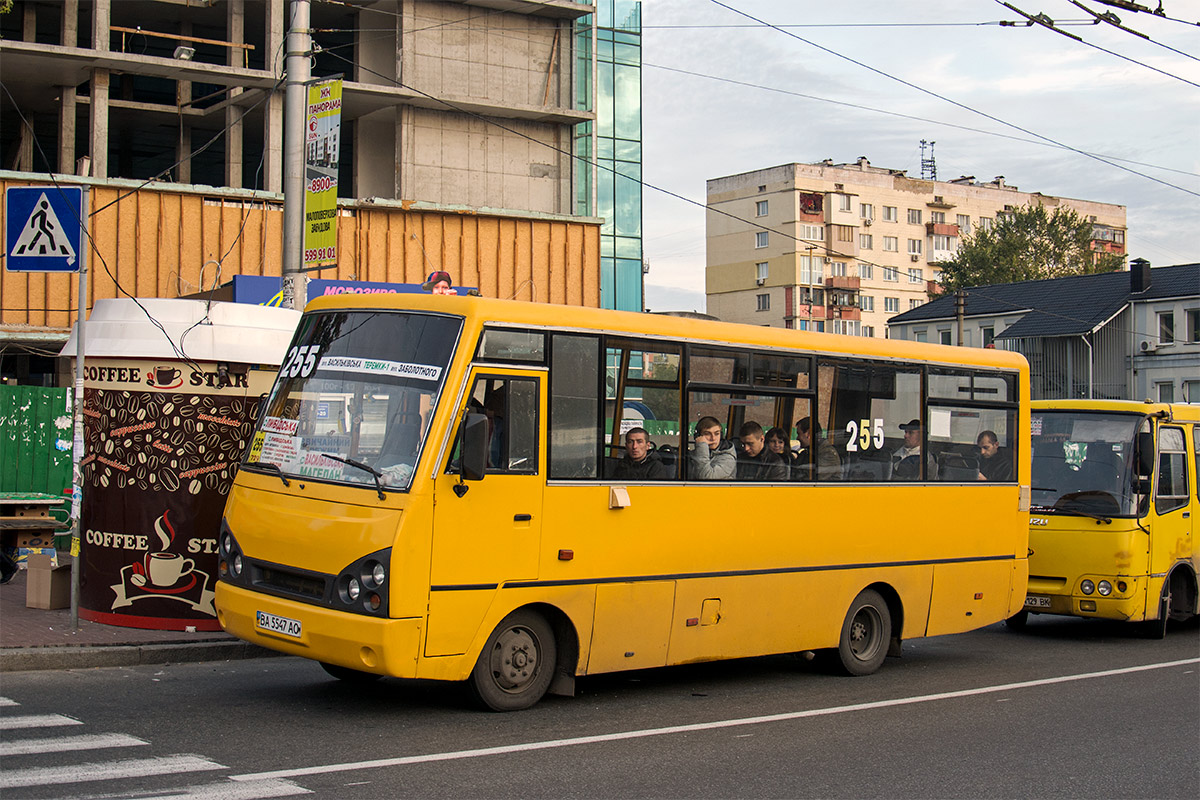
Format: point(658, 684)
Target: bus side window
point(1172, 490)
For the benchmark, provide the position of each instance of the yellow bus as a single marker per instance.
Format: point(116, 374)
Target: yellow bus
point(434, 490)
point(1114, 503)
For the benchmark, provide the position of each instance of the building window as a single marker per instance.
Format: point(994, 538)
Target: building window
point(945, 242)
point(891, 304)
point(889, 214)
point(989, 335)
point(937, 275)
point(1166, 391)
point(891, 274)
point(760, 271)
point(838, 269)
point(810, 232)
point(985, 223)
point(864, 241)
point(760, 239)
point(891, 244)
point(762, 302)
point(866, 271)
point(847, 327)
point(914, 247)
point(843, 202)
point(914, 216)
point(1191, 391)
point(1166, 327)
point(762, 188)
point(760, 208)
point(869, 332)
point(964, 224)
point(937, 217)
point(945, 337)
point(866, 211)
point(811, 269)
point(915, 304)
point(866, 302)
point(845, 233)
point(1193, 326)
point(914, 275)
point(920, 336)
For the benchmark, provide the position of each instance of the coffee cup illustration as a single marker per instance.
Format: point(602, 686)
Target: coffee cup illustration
point(165, 376)
point(166, 569)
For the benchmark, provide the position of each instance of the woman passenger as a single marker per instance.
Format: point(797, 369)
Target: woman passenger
point(778, 443)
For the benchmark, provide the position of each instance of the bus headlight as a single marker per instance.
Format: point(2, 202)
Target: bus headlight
point(1087, 587)
point(1105, 588)
point(229, 554)
point(361, 587)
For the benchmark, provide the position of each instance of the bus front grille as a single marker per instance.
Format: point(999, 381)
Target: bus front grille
point(292, 583)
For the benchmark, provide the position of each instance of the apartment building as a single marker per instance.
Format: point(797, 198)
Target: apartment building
point(842, 248)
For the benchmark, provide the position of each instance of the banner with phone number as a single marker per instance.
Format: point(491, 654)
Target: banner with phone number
point(322, 145)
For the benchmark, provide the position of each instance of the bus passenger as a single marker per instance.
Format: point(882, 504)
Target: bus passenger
point(640, 463)
point(439, 283)
point(757, 462)
point(779, 443)
point(829, 465)
point(711, 458)
point(995, 462)
point(906, 461)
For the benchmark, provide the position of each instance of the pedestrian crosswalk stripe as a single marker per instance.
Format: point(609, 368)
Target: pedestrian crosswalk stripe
point(43, 235)
point(36, 721)
point(230, 790)
point(104, 771)
point(67, 744)
point(4, 701)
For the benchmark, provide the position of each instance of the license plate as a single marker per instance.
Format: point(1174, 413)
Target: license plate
point(1036, 601)
point(274, 624)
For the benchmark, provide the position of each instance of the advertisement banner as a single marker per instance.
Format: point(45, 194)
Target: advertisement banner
point(322, 143)
point(164, 440)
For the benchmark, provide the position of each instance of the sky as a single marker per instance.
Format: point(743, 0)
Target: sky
point(703, 125)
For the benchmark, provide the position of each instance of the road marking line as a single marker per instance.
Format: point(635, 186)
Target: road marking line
point(36, 721)
point(4, 701)
point(224, 790)
point(61, 744)
point(104, 771)
point(699, 726)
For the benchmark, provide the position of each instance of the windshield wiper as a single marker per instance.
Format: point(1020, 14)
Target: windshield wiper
point(272, 468)
point(376, 474)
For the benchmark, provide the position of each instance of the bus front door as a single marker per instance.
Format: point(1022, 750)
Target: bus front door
point(492, 532)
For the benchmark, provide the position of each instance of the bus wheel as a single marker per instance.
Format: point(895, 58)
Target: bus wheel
point(349, 675)
point(1157, 628)
point(865, 634)
point(1017, 621)
point(517, 663)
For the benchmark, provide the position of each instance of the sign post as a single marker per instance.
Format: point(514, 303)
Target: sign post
point(44, 229)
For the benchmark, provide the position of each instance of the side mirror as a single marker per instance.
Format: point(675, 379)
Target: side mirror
point(474, 450)
point(1145, 453)
point(1141, 485)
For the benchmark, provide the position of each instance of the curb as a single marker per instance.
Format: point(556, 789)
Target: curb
point(19, 659)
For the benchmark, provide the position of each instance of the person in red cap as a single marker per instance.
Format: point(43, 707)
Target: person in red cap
point(439, 283)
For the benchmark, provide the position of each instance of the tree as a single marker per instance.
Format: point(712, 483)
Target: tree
point(1030, 243)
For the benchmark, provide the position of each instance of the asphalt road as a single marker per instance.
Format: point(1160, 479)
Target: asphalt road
point(1070, 708)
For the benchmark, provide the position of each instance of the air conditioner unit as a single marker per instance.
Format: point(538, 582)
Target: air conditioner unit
point(867, 222)
point(759, 281)
point(1148, 345)
point(914, 257)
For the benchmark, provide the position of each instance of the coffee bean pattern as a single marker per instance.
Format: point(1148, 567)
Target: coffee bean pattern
point(161, 442)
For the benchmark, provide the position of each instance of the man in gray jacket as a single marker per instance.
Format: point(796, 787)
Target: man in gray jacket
point(711, 458)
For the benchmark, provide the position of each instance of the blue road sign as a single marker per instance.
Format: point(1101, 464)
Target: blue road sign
point(43, 228)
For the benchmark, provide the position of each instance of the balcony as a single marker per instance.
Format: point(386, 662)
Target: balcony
point(843, 312)
point(940, 229)
point(843, 282)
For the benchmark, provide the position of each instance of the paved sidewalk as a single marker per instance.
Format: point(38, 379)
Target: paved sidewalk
point(32, 638)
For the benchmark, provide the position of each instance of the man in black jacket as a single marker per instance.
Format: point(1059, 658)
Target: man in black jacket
point(640, 463)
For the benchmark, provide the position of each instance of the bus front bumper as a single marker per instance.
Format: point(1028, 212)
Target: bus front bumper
point(369, 644)
point(1044, 597)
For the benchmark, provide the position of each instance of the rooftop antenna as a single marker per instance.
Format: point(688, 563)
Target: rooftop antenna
point(928, 165)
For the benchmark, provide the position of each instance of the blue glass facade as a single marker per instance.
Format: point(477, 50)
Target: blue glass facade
point(613, 190)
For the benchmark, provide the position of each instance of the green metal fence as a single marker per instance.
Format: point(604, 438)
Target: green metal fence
point(35, 440)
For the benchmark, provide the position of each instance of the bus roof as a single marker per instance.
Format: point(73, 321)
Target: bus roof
point(1177, 411)
point(546, 315)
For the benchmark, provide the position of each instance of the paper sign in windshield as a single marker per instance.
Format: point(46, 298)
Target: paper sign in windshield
point(375, 366)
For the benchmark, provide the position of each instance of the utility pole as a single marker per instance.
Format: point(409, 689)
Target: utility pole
point(960, 308)
point(295, 102)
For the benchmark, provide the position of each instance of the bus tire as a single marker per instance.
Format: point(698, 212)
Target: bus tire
point(1017, 621)
point(515, 667)
point(1157, 628)
point(865, 634)
point(350, 675)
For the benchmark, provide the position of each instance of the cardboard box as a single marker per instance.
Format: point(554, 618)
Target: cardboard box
point(48, 586)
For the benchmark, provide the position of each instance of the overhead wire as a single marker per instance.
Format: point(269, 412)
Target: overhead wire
point(946, 99)
point(1112, 19)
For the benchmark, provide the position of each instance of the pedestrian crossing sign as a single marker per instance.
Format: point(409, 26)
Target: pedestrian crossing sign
point(43, 228)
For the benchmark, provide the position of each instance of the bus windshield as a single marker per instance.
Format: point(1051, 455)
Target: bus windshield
point(1082, 461)
point(355, 396)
